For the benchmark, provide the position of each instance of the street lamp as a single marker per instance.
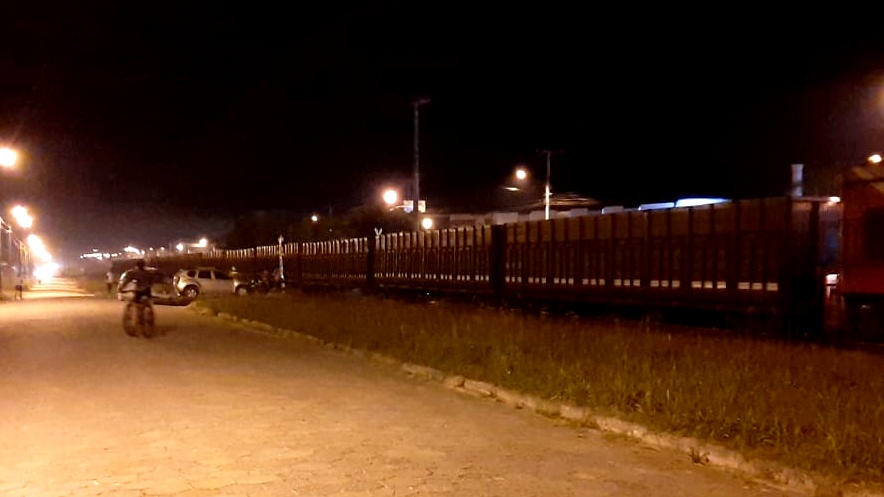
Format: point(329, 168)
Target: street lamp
point(546, 189)
point(8, 157)
point(417, 178)
point(391, 197)
point(520, 175)
point(24, 220)
point(22, 217)
point(281, 268)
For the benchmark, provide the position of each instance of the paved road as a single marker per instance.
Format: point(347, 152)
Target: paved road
point(211, 409)
point(54, 288)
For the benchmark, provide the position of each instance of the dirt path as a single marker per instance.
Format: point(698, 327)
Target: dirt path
point(211, 409)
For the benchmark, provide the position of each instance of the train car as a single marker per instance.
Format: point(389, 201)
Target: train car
point(763, 257)
point(861, 283)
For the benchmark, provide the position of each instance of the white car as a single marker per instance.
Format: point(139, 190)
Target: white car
point(192, 282)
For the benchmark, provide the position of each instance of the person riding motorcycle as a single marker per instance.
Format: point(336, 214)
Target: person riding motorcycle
point(140, 278)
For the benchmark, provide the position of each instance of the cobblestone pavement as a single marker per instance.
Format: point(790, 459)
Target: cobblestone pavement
point(212, 409)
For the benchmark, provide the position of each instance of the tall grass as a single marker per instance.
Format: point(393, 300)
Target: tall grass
point(809, 407)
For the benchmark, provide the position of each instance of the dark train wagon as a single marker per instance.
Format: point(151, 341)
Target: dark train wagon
point(861, 284)
point(759, 256)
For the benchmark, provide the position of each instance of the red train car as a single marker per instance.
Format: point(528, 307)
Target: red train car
point(861, 283)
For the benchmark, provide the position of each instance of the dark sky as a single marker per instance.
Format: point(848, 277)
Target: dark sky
point(179, 116)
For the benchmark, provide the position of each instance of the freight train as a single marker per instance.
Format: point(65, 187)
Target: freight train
point(814, 266)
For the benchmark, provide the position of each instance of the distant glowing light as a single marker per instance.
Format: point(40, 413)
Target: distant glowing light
point(38, 248)
point(20, 213)
point(46, 270)
point(427, 223)
point(834, 199)
point(660, 205)
point(875, 158)
point(8, 157)
point(521, 174)
point(391, 197)
point(180, 247)
point(314, 218)
point(202, 243)
point(693, 202)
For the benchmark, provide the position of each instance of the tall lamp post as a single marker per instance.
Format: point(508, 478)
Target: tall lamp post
point(547, 192)
point(417, 178)
point(281, 268)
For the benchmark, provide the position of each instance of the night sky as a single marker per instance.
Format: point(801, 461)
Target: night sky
point(147, 122)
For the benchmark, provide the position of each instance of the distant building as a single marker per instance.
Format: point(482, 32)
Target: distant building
point(561, 206)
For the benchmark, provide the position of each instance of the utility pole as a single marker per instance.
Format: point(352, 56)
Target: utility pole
point(547, 192)
point(417, 177)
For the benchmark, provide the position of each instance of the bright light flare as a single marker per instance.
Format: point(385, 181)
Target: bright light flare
point(20, 213)
point(8, 157)
point(314, 218)
point(391, 197)
point(875, 158)
point(695, 202)
point(38, 248)
point(427, 223)
point(46, 270)
point(521, 174)
point(203, 242)
point(180, 247)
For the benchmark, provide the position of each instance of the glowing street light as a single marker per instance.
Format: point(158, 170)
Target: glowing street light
point(875, 158)
point(391, 197)
point(314, 218)
point(520, 175)
point(8, 157)
point(180, 247)
point(39, 249)
point(427, 223)
point(20, 213)
point(203, 242)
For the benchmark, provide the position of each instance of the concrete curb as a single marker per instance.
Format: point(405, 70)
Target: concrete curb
point(767, 472)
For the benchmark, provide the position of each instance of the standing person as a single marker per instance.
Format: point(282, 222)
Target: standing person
point(110, 281)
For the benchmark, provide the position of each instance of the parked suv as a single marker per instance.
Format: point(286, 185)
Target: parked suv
point(192, 282)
